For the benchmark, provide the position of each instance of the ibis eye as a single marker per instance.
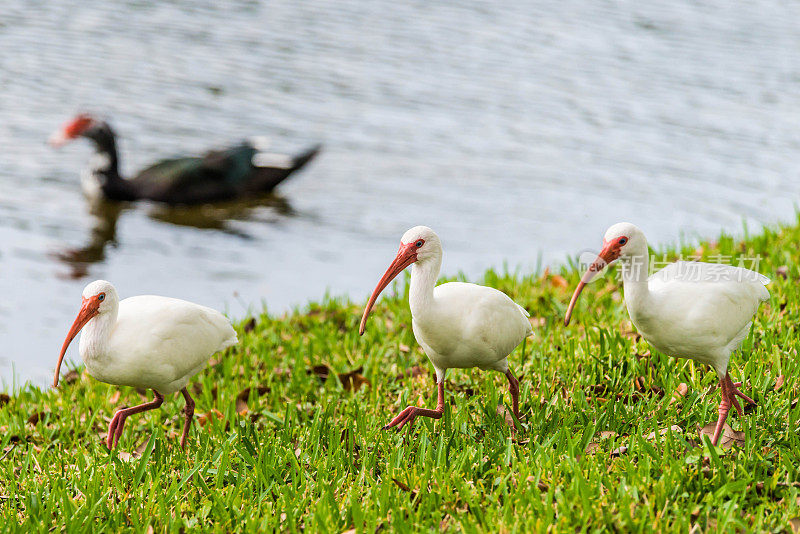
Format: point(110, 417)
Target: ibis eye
point(101, 297)
point(419, 243)
point(623, 240)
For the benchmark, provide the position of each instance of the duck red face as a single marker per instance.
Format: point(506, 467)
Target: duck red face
point(71, 130)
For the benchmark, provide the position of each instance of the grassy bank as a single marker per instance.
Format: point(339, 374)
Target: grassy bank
point(291, 440)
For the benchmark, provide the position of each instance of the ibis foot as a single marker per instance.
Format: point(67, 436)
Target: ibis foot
point(118, 421)
point(729, 393)
point(189, 413)
point(408, 415)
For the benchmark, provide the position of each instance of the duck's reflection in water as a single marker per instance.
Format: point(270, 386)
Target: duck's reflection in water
point(105, 215)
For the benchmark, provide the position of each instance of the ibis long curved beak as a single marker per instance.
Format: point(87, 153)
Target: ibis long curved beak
point(606, 256)
point(89, 308)
point(405, 257)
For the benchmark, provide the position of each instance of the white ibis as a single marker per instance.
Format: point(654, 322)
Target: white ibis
point(458, 325)
point(701, 311)
point(149, 342)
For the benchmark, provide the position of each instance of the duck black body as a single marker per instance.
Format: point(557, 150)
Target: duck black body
point(226, 174)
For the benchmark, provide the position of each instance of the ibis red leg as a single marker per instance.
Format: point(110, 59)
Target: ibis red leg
point(118, 421)
point(189, 413)
point(729, 394)
point(408, 415)
point(513, 389)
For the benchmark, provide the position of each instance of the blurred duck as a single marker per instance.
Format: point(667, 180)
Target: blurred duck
point(226, 174)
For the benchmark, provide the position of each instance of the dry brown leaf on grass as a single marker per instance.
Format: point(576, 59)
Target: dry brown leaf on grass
point(115, 397)
point(674, 428)
point(782, 272)
point(405, 488)
point(639, 383)
point(559, 281)
point(467, 391)
point(592, 447)
point(729, 437)
point(404, 348)
point(205, 418)
point(136, 453)
point(244, 396)
point(139, 450)
point(619, 451)
point(36, 417)
point(779, 382)
point(353, 381)
point(71, 377)
point(401, 485)
point(597, 389)
point(506, 415)
point(250, 325)
point(321, 371)
point(627, 330)
point(4, 399)
point(539, 484)
point(680, 392)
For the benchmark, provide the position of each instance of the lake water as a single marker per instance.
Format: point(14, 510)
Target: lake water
point(518, 131)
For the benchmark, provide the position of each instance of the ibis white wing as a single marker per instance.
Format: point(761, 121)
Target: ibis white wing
point(701, 272)
point(699, 310)
point(471, 326)
point(161, 341)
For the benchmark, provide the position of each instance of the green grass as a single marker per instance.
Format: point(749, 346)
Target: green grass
point(308, 454)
